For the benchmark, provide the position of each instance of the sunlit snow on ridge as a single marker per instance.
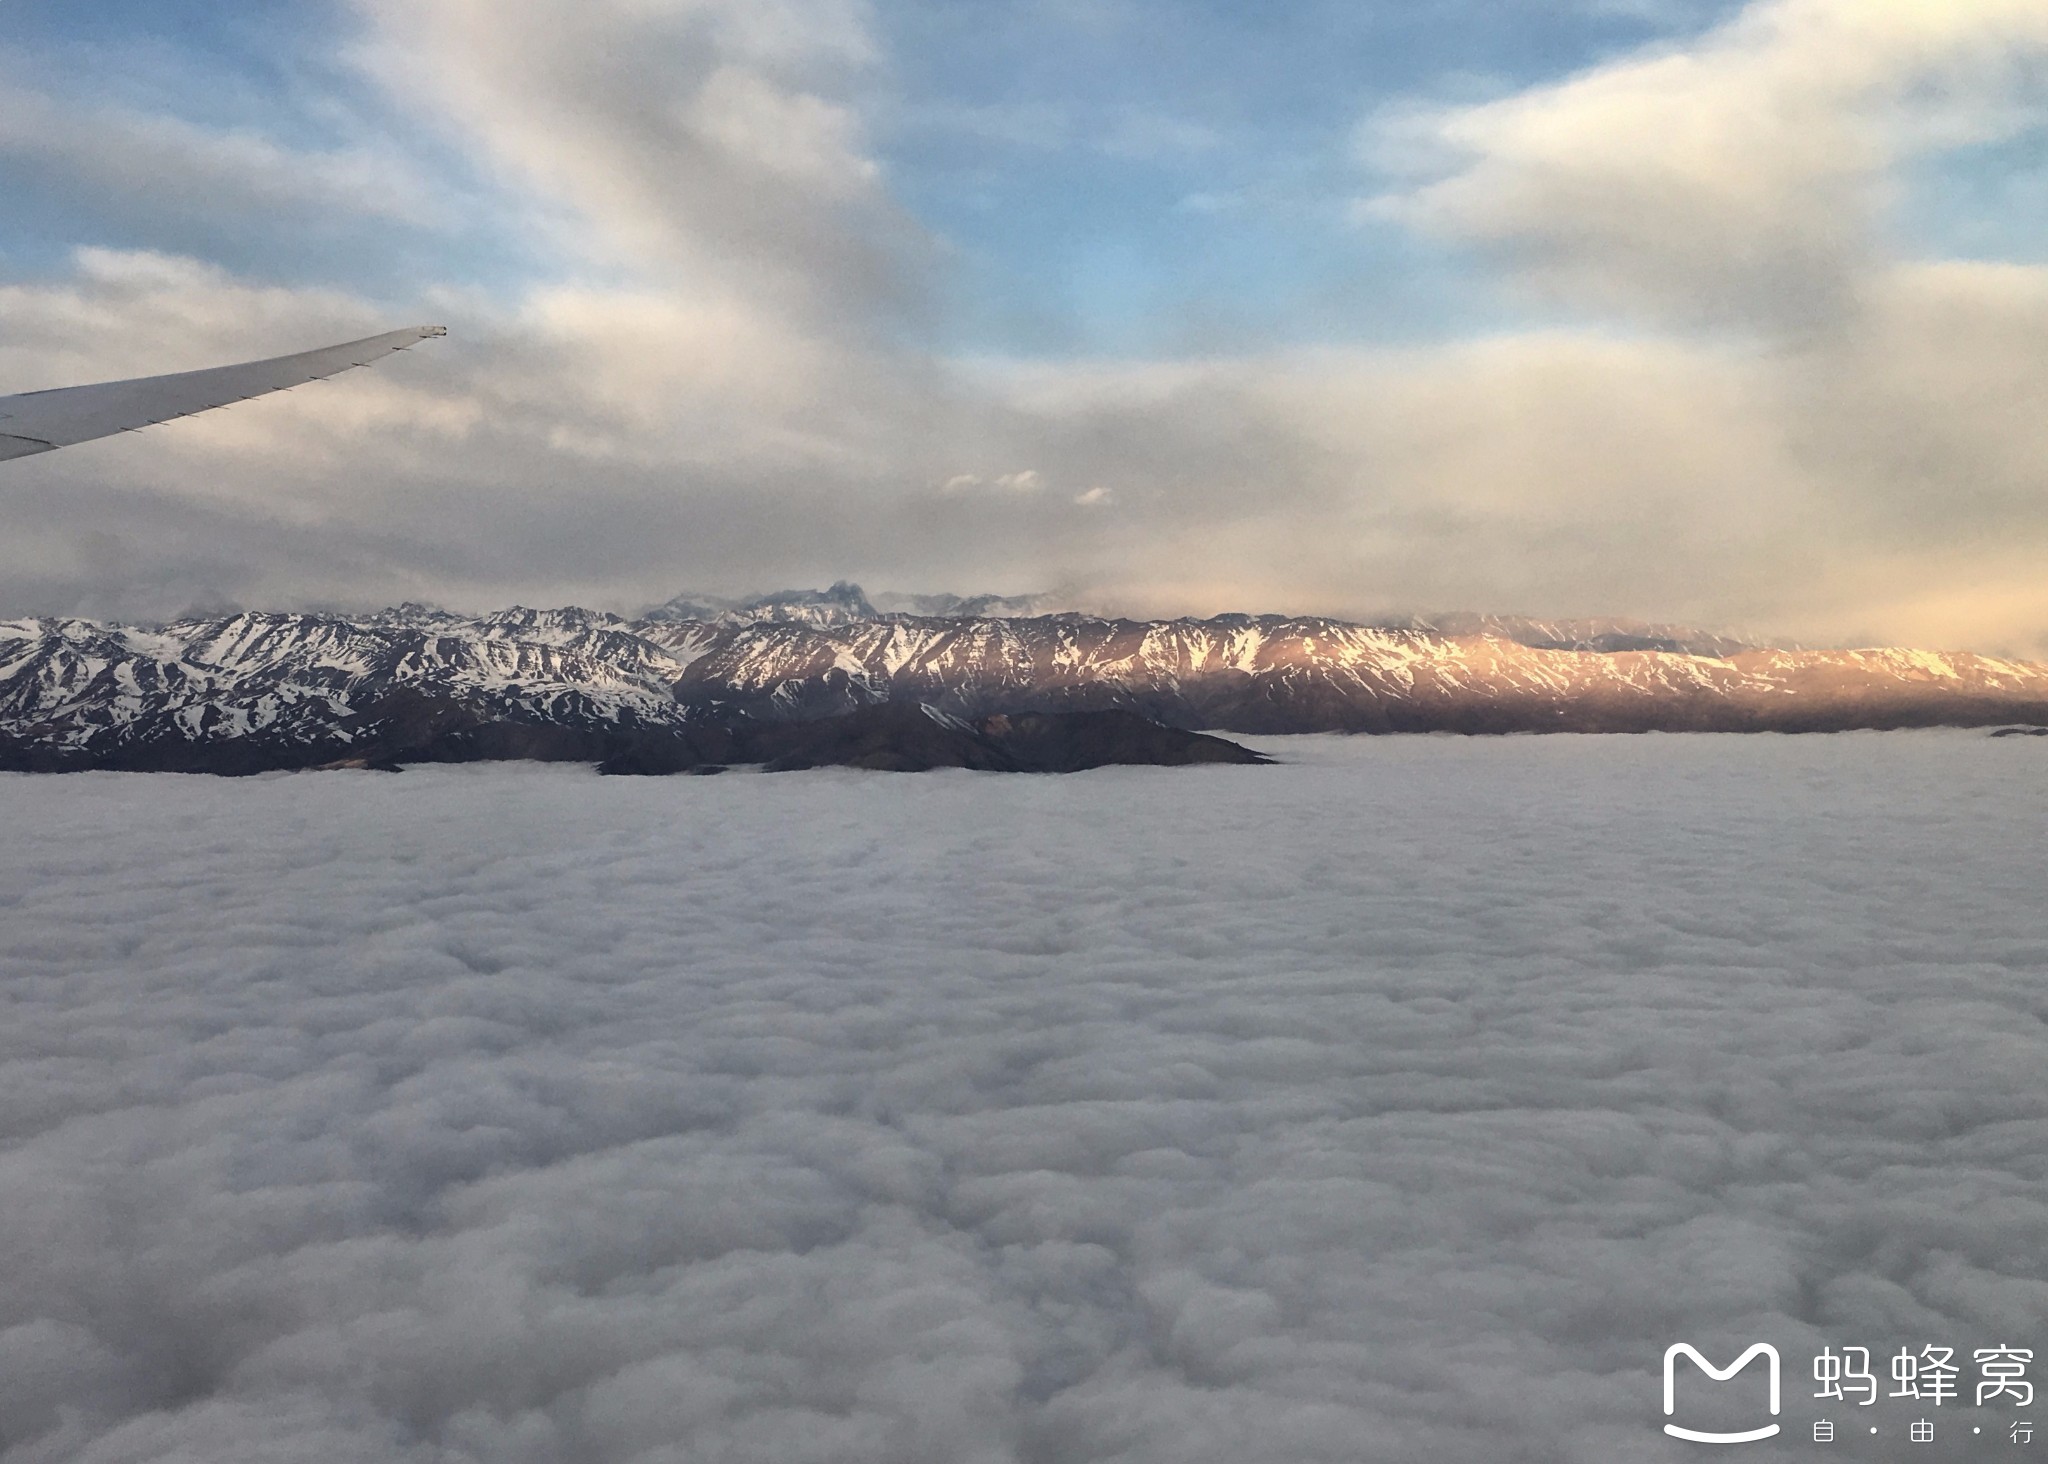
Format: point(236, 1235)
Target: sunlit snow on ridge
point(1401, 1102)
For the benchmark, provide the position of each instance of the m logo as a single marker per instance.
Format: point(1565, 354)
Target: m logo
point(1719, 1375)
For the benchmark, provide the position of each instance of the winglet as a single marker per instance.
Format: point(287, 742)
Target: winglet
point(38, 421)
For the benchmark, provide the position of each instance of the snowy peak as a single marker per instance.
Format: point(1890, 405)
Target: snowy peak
point(288, 688)
point(1595, 634)
point(970, 607)
point(841, 604)
point(845, 603)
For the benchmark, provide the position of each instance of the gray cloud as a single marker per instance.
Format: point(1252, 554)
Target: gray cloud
point(606, 447)
point(715, 142)
point(1401, 1102)
point(714, 393)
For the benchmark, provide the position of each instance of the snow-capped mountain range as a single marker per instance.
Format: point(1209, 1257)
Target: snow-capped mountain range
point(250, 690)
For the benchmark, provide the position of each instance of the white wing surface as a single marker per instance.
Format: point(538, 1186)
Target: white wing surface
point(39, 421)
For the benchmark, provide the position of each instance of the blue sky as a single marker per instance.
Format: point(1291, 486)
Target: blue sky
point(1105, 177)
point(277, 74)
point(1684, 309)
point(1165, 177)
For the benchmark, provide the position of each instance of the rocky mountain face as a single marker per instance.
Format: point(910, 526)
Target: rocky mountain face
point(251, 691)
point(1273, 674)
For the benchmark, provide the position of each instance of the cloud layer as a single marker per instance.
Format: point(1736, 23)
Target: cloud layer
point(704, 137)
point(1401, 1102)
point(1740, 178)
point(1751, 403)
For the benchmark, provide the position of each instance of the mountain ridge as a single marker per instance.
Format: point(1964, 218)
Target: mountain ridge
point(846, 603)
point(572, 682)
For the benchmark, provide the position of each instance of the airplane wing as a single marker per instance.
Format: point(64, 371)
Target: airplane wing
point(40, 421)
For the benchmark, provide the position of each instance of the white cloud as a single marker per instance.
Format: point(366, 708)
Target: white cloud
point(1400, 1102)
point(607, 444)
point(710, 390)
point(696, 139)
point(1740, 176)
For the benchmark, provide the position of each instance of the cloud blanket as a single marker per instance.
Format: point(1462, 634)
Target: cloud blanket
point(1402, 1102)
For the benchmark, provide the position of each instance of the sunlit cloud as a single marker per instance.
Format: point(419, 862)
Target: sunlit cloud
point(1746, 403)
